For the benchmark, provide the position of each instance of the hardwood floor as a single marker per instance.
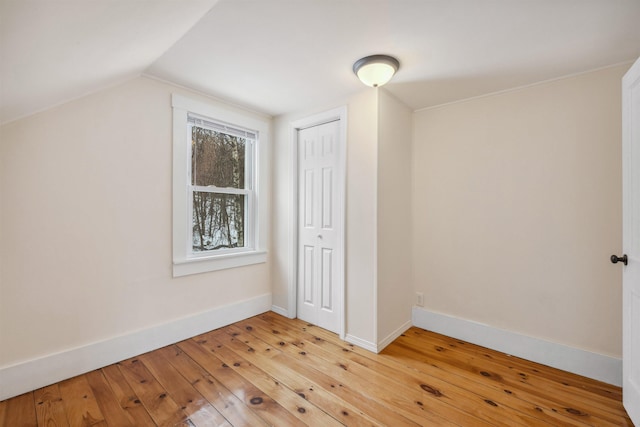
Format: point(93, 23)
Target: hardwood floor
point(269, 370)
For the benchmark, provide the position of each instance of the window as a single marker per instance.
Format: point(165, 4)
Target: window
point(221, 188)
point(218, 214)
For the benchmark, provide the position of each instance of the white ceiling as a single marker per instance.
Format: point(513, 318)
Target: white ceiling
point(279, 56)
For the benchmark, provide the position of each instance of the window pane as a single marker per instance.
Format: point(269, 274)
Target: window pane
point(218, 221)
point(217, 158)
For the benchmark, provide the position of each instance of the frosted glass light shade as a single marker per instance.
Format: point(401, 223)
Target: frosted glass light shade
point(376, 70)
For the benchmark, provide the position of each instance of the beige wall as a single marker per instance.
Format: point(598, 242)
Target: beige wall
point(282, 250)
point(85, 226)
point(362, 164)
point(395, 287)
point(517, 208)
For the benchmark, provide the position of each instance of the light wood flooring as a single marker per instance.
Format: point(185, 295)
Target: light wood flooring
point(269, 370)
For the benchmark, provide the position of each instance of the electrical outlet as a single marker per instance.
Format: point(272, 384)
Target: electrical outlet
point(419, 299)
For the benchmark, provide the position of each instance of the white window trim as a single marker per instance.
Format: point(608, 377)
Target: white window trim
point(184, 263)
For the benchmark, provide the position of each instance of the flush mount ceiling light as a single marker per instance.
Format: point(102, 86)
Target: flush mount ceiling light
point(376, 70)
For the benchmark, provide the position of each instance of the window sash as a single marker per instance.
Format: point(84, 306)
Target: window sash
point(249, 154)
point(248, 192)
point(249, 232)
point(217, 126)
point(221, 190)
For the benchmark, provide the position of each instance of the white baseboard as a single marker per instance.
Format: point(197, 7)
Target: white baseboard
point(281, 311)
point(30, 375)
point(593, 365)
point(367, 345)
point(393, 335)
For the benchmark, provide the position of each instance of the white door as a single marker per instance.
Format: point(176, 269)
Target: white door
point(631, 241)
point(318, 229)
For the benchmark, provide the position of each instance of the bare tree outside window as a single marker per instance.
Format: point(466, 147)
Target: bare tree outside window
point(217, 167)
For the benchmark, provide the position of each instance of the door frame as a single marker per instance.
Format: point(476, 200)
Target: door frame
point(336, 114)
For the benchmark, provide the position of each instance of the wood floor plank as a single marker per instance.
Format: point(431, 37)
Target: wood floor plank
point(593, 387)
point(288, 371)
point(421, 406)
point(272, 371)
point(569, 398)
point(475, 404)
point(417, 405)
point(106, 399)
point(228, 404)
point(547, 408)
point(472, 398)
point(538, 398)
point(261, 403)
point(508, 369)
point(80, 404)
point(127, 398)
point(327, 383)
point(162, 408)
point(496, 395)
point(19, 411)
point(538, 408)
point(195, 406)
point(49, 407)
point(289, 399)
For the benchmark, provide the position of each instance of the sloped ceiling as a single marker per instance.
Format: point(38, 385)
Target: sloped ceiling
point(278, 56)
point(52, 51)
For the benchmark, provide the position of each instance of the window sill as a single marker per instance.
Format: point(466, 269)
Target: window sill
point(217, 262)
